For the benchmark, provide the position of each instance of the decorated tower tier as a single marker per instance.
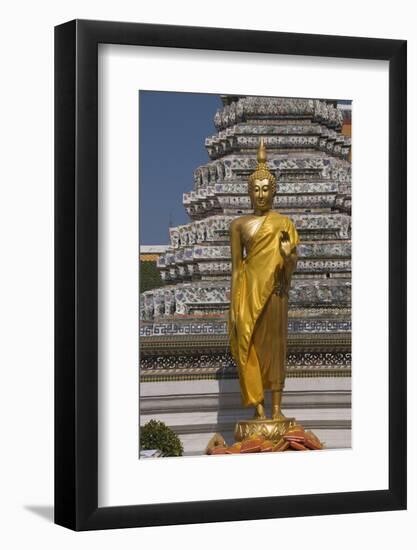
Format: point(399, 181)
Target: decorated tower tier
point(183, 323)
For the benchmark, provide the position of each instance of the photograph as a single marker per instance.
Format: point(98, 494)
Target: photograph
point(245, 224)
point(230, 275)
point(208, 233)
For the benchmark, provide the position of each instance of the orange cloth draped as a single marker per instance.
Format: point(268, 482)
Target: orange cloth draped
point(259, 335)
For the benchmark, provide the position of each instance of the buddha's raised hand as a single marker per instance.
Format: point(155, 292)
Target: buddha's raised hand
point(284, 244)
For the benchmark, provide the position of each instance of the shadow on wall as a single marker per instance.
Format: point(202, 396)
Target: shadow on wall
point(45, 512)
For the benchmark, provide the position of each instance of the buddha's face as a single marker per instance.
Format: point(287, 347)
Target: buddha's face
point(262, 195)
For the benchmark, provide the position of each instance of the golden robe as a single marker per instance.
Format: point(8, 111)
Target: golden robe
point(259, 303)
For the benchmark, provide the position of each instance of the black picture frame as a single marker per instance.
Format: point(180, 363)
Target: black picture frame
point(76, 271)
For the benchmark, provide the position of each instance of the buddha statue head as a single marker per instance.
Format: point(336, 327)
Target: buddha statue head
point(262, 184)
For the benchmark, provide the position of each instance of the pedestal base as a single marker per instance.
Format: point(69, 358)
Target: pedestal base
point(269, 429)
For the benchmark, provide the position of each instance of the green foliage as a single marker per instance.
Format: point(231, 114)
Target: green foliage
point(157, 435)
point(149, 276)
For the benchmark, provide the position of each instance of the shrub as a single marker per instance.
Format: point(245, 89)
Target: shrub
point(157, 435)
point(149, 276)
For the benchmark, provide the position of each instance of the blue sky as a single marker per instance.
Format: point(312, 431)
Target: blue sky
point(173, 127)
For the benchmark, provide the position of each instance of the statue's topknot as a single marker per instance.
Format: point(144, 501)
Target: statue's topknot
point(262, 172)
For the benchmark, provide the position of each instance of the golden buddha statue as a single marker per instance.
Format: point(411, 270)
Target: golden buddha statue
point(264, 256)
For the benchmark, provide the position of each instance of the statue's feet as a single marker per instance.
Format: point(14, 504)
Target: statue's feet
point(277, 414)
point(259, 412)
